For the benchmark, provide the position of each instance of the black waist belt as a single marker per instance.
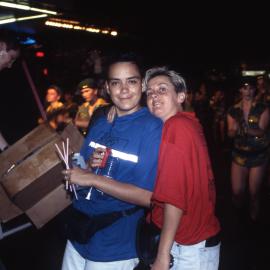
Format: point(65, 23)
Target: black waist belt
point(213, 240)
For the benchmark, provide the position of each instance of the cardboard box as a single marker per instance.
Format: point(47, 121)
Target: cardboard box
point(49, 206)
point(8, 210)
point(35, 178)
point(23, 148)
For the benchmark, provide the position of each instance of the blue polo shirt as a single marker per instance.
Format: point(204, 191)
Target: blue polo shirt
point(135, 138)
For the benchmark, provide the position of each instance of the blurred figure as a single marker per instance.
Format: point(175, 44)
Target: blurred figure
point(202, 109)
point(9, 52)
point(263, 87)
point(188, 104)
point(93, 63)
point(9, 49)
point(263, 95)
point(88, 89)
point(53, 106)
point(70, 106)
point(217, 104)
point(248, 121)
point(3, 143)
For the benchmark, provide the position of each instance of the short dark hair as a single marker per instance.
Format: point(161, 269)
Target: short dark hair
point(10, 39)
point(56, 88)
point(130, 57)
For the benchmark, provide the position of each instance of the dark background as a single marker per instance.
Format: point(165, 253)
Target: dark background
point(196, 39)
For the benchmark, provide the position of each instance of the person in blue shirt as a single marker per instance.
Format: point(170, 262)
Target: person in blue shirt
point(133, 138)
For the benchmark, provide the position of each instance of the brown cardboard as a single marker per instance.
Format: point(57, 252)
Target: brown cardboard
point(37, 177)
point(49, 206)
point(8, 210)
point(17, 152)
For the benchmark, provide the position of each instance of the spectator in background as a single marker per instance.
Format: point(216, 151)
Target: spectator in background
point(202, 109)
point(88, 89)
point(93, 63)
point(53, 106)
point(263, 88)
point(9, 52)
point(70, 105)
point(188, 105)
point(248, 121)
point(217, 104)
point(9, 49)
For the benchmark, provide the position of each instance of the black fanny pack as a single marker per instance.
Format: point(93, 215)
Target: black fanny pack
point(147, 241)
point(81, 228)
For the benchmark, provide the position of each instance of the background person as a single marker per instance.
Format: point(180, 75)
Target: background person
point(248, 121)
point(53, 106)
point(9, 49)
point(88, 89)
point(9, 52)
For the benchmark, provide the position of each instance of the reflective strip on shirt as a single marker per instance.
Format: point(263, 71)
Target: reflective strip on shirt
point(115, 153)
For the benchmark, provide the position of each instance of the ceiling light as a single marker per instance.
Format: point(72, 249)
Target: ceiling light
point(12, 19)
point(253, 72)
point(25, 7)
point(61, 23)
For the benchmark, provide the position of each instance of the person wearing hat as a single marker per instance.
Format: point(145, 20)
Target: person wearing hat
point(248, 121)
point(88, 89)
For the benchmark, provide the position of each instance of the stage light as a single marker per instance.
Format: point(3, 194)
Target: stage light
point(25, 7)
point(9, 20)
point(28, 41)
point(40, 54)
point(74, 25)
point(253, 72)
point(45, 72)
point(13, 19)
point(114, 33)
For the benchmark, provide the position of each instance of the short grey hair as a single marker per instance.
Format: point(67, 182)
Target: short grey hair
point(176, 79)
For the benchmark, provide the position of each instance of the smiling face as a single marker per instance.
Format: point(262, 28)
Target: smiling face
point(162, 99)
point(124, 85)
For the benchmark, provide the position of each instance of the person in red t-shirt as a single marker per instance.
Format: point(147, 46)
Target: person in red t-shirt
point(184, 195)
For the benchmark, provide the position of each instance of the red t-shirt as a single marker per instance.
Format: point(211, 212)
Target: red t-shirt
point(185, 180)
